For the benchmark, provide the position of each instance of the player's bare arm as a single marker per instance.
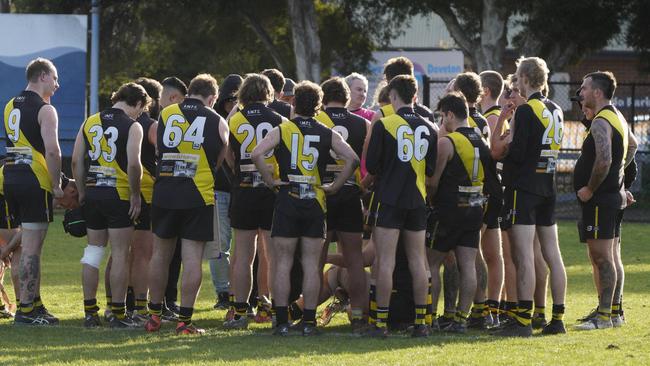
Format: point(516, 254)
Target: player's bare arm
point(49, 122)
point(134, 168)
point(78, 165)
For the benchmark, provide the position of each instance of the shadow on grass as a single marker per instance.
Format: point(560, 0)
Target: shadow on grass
point(71, 343)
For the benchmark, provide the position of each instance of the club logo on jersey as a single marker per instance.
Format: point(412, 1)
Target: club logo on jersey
point(253, 112)
point(304, 123)
point(338, 115)
point(108, 116)
point(409, 115)
point(19, 99)
point(191, 107)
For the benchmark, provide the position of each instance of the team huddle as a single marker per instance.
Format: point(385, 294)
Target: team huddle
point(173, 174)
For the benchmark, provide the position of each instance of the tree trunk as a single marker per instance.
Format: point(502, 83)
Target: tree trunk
point(306, 42)
point(486, 52)
point(493, 42)
point(264, 36)
point(5, 6)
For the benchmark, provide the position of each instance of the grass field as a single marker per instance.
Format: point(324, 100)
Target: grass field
point(71, 344)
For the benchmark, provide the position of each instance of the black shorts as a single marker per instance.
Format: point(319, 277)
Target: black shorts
point(28, 204)
point(523, 208)
point(106, 214)
point(195, 223)
point(599, 221)
point(296, 226)
point(414, 219)
point(492, 215)
point(144, 220)
point(344, 213)
point(6, 220)
point(251, 208)
point(451, 235)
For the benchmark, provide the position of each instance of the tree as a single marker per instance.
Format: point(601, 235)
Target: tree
point(638, 32)
point(306, 41)
point(562, 32)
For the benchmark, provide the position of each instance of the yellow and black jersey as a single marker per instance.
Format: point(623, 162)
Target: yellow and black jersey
point(531, 162)
point(147, 157)
point(469, 176)
point(401, 153)
point(247, 128)
point(495, 110)
point(25, 162)
point(189, 145)
point(613, 182)
point(106, 135)
point(281, 108)
point(478, 122)
point(387, 110)
point(353, 129)
point(304, 143)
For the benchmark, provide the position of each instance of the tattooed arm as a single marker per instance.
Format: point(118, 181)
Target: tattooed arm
point(632, 146)
point(602, 133)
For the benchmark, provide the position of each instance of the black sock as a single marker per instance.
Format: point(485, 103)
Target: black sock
point(493, 306)
point(240, 309)
point(38, 303)
point(118, 309)
point(309, 316)
point(524, 313)
point(90, 307)
point(185, 315)
point(558, 311)
point(130, 299)
point(282, 315)
point(155, 309)
point(295, 312)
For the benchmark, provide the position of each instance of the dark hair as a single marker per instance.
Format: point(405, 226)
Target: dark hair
point(131, 93)
point(603, 81)
point(468, 83)
point(455, 103)
point(276, 77)
point(397, 66)
point(493, 81)
point(176, 83)
point(151, 86)
point(335, 90)
point(405, 85)
point(204, 85)
point(308, 97)
point(37, 67)
point(255, 88)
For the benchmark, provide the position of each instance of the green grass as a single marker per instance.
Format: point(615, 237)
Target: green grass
point(71, 344)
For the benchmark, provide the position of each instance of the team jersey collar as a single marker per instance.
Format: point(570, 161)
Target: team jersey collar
point(337, 109)
point(192, 101)
point(29, 93)
point(406, 109)
point(536, 95)
point(493, 108)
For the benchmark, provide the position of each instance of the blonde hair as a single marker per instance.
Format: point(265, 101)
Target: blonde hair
point(534, 69)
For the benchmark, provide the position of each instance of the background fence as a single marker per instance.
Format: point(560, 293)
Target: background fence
point(632, 99)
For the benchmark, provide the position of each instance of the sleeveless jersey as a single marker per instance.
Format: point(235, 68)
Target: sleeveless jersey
point(106, 135)
point(613, 182)
point(247, 128)
point(281, 108)
point(467, 177)
point(531, 162)
point(304, 143)
point(147, 157)
point(25, 163)
point(401, 153)
point(189, 145)
point(477, 121)
point(353, 129)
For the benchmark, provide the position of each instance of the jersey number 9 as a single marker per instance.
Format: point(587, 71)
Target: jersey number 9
point(13, 125)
